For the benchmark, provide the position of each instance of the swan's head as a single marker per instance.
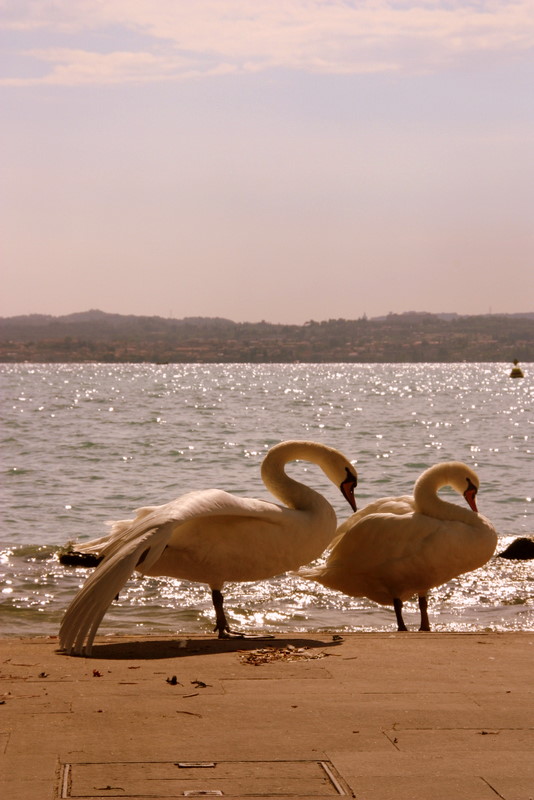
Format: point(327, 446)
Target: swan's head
point(455, 474)
point(333, 463)
point(348, 485)
point(465, 481)
point(340, 471)
point(470, 495)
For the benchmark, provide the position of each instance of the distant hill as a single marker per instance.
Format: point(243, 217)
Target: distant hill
point(410, 337)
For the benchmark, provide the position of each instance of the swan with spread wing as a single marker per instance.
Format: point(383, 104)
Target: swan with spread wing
point(398, 547)
point(212, 537)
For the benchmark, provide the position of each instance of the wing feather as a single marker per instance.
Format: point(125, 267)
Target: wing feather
point(85, 613)
point(138, 544)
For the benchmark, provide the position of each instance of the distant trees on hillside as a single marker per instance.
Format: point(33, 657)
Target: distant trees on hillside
point(410, 337)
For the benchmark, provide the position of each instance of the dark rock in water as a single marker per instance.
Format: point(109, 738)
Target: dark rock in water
point(521, 549)
point(74, 559)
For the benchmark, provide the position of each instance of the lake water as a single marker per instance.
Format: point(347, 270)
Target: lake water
point(84, 443)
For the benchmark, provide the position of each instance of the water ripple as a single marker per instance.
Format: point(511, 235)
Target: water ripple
point(85, 443)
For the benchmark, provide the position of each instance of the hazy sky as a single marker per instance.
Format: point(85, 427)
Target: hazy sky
point(284, 160)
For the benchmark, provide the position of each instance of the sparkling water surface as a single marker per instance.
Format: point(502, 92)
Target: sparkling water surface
point(85, 443)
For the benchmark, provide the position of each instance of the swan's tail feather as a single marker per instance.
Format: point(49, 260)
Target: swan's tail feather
point(121, 531)
point(95, 546)
point(86, 611)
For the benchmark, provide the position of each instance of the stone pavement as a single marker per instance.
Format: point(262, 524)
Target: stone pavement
point(413, 716)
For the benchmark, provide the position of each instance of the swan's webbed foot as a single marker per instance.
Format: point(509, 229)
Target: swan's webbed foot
point(223, 628)
point(397, 605)
point(226, 633)
point(423, 606)
point(236, 635)
point(221, 625)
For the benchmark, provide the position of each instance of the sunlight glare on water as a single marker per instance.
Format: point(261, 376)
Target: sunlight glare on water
point(82, 444)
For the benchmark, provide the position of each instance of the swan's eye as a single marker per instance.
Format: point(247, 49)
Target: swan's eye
point(351, 479)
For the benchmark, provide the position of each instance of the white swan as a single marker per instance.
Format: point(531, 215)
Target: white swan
point(400, 546)
point(212, 537)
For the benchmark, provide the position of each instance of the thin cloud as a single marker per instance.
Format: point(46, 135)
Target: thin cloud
point(80, 67)
point(208, 37)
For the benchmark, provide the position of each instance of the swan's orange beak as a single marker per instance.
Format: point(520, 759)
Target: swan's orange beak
point(470, 496)
point(347, 489)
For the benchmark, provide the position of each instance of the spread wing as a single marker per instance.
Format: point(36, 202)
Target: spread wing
point(85, 613)
point(136, 545)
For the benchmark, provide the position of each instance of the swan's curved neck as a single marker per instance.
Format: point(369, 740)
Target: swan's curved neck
point(290, 491)
point(426, 498)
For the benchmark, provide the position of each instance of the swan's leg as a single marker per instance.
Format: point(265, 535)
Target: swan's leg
point(423, 606)
point(397, 605)
point(221, 625)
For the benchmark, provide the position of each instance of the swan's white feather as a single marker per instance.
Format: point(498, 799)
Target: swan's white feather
point(212, 537)
point(400, 555)
point(91, 603)
point(397, 547)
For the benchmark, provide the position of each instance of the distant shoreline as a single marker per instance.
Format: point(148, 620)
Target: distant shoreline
point(97, 337)
point(233, 361)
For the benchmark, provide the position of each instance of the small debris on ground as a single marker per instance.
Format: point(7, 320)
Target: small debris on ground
point(268, 654)
point(191, 713)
